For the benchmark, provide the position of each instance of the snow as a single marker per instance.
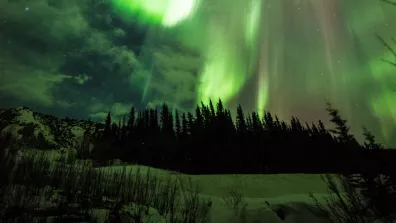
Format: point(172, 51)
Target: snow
point(26, 116)
point(143, 170)
point(263, 194)
point(13, 130)
point(260, 185)
point(77, 131)
point(250, 185)
point(266, 197)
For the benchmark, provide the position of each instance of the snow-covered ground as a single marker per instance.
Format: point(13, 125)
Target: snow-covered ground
point(264, 195)
point(268, 198)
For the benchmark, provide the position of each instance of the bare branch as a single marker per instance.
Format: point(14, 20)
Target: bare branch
point(386, 45)
point(389, 48)
point(390, 2)
point(389, 62)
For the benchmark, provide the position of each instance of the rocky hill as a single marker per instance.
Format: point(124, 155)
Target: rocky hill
point(41, 131)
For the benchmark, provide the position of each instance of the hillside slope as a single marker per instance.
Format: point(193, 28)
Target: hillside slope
point(36, 130)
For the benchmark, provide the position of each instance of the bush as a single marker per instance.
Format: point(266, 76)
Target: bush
point(68, 191)
point(236, 202)
point(360, 198)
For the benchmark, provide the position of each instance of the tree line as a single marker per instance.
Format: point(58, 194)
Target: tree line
point(210, 141)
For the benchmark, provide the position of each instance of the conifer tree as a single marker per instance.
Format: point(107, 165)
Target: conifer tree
point(184, 126)
point(370, 142)
point(131, 122)
point(154, 128)
point(256, 124)
point(139, 127)
point(341, 128)
point(165, 119)
point(206, 117)
point(123, 128)
point(114, 132)
point(241, 125)
point(212, 110)
point(171, 125)
point(190, 123)
point(220, 109)
point(322, 129)
point(107, 128)
point(119, 130)
point(268, 121)
point(249, 125)
point(178, 127)
point(199, 120)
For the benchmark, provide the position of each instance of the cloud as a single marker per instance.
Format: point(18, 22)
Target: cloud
point(120, 109)
point(117, 111)
point(101, 44)
point(45, 23)
point(175, 76)
point(98, 116)
point(54, 55)
point(32, 48)
point(96, 105)
point(82, 78)
point(29, 84)
point(119, 33)
point(73, 56)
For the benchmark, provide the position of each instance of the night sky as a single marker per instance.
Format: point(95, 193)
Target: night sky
point(83, 58)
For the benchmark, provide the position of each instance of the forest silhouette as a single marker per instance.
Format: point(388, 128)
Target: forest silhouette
point(211, 142)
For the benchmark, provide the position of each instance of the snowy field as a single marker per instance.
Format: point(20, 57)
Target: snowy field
point(263, 195)
point(267, 198)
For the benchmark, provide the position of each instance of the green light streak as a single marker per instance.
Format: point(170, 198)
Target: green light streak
point(166, 12)
point(231, 54)
point(383, 103)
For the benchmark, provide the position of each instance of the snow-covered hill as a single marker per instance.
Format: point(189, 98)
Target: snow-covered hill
point(36, 130)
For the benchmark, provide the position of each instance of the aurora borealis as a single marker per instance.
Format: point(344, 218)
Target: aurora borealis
point(285, 56)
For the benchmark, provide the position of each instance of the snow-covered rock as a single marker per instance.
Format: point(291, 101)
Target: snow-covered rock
point(45, 132)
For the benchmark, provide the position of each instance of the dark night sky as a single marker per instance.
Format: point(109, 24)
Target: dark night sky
point(85, 58)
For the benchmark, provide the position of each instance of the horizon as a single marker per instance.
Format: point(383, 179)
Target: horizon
point(117, 119)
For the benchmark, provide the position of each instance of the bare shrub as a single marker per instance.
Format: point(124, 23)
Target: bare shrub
point(236, 202)
point(79, 188)
point(358, 199)
point(192, 208)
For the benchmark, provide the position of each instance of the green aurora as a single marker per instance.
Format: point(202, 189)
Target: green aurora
point(294, 54)
point(85, 58)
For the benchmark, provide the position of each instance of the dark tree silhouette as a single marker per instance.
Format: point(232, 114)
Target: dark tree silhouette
point(108, 127)
point(178, 127)
point(210, 141)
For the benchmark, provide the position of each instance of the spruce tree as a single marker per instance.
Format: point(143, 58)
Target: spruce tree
point(370, 142)
point(184, 126)
point(107, 127)
point(199, 120)
point(341, 127)
point(131, 122)
point(123, 128)
point(165, 119)
point(211, 109)
point(241, 125)
point(190, 123)
point(256, 125)
point(220, 109)
point(178, 127)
